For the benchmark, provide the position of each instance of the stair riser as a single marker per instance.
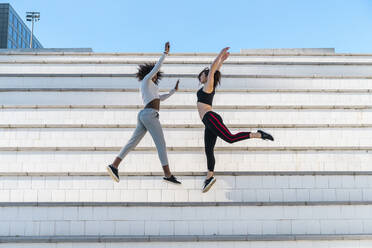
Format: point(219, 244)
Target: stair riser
point(184, 98)
point(287, 70)
point(185, 117)
point(38, 221)
point(189, 82)
point(147, 162)
point(108, 137)
point(246, 56)
point(154, 189)
point(236, 244)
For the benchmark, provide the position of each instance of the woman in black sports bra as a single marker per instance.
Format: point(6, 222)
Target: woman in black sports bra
point(214, 126)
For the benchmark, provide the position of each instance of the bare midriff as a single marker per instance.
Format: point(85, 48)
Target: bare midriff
point(203, 109)
point(154, 104)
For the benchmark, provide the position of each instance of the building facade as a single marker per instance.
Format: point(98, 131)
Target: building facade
point(14, 33)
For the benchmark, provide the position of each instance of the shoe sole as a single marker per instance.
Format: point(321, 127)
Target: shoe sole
point(112, 175)
point(171, 182)
point(267, 134)
point(209, 186)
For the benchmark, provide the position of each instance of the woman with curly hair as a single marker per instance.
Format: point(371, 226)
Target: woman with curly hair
point(214, 126)
point(148, 118)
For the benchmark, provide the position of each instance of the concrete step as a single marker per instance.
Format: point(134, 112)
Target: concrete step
point(147, 162)
point(304, 69)
point(246, 56)
point(188, 107)
point(186, 98)
point(84, 219)
point(189, 149)
point(188, 81)
point(228, 188)
point(189, 241)
point(185, 137)
point(271, 55)
point(223, 90)
point(180, 126)
point(173, 117)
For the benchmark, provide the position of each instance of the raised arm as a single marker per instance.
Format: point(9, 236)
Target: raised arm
point(223, 58)
point(171, 92)
point(216, 65)
point(157, 66)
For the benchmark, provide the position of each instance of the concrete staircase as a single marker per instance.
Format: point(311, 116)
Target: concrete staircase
point(65, 116)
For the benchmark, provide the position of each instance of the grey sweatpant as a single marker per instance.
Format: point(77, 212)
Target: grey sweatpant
point(147, 119)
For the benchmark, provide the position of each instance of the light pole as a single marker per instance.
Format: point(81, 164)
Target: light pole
point(32, 17)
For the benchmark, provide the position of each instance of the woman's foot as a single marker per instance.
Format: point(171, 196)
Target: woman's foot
point(172, 179)
point(208, 184)
point(265, 136)
point(113, 172)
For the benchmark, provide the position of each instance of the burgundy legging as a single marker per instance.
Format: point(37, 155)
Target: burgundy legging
point(214, 127)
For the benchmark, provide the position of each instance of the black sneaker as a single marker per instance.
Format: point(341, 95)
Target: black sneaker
point(265, 136)
point(208, 184)
point(172, 179)
point(113, 172)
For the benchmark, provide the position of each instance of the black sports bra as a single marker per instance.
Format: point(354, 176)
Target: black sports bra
point(204, 97)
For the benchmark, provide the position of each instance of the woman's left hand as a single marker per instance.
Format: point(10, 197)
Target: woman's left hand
point(176, 87)
point(225, 56)
point(166, 48)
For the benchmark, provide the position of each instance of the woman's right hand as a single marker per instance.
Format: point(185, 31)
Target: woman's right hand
point(166, 49)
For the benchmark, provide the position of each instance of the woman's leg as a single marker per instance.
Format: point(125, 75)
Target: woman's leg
point(215, 123)
point(137, 136)
point(209, 142)
point(152, 124)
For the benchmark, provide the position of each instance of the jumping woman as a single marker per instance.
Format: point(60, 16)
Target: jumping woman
point(214, 126)
point(148, 118)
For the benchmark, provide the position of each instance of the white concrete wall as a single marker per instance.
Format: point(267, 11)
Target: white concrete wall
point(353, 70)
point(183, 138)
point(220, 220)
point(128, 116)
point(317, 107)
point(267, 188)
point(186, 98)
point(238, 244)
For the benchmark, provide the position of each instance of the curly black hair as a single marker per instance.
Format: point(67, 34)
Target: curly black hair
point(217, 76)
point(145, 69)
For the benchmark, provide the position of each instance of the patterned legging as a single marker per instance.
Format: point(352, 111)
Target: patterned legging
point(214, 127)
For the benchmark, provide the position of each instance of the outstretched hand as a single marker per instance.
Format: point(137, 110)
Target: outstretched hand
point(166, 48)
point(224, 50)
point(224, 54)
point(176, 87)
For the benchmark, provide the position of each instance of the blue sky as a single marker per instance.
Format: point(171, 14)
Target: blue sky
point(202, 25)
